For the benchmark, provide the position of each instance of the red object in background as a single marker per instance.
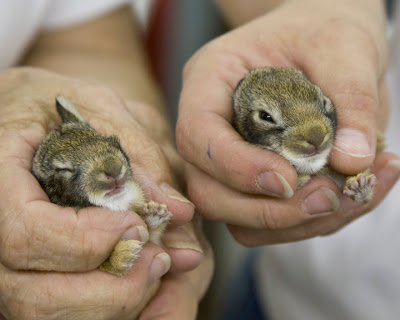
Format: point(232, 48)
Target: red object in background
point(159, 37)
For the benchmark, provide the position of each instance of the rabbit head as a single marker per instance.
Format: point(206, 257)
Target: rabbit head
point(78, 167)
point(279, 109)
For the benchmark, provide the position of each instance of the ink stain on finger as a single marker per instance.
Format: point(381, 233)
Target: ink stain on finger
point(209, 150)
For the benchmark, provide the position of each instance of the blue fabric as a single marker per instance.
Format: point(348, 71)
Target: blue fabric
point(241, 299)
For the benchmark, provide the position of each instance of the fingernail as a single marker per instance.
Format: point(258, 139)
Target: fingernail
point(323, 200)
point(273, 184)
point(159, 267)
point(173, 194)
point(136, 233)
point(179, 238)
point(353, 143)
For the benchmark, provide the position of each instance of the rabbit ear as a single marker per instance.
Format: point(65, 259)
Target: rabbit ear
point(67, 110)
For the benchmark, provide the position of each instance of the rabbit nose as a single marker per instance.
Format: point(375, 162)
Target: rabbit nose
point(113, 171)
point(316, 137)
point(315, 141)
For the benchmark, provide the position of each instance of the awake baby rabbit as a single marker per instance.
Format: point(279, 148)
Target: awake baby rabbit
point(280, 110)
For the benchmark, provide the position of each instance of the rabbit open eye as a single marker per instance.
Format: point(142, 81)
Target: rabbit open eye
point(265, 116)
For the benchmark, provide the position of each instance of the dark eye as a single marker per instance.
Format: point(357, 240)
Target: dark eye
point(266, 116)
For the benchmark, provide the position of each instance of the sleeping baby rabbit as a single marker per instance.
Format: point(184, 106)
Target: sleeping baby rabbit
point(280, 110)
point(78, 167)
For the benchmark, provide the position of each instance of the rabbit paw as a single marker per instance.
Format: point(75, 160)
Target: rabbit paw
point(155, 214)
point(360, 188)
point(156, 217)
point(122, 258)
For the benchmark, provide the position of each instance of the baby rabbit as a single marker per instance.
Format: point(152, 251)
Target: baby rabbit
point(78, 167)
point(280, 110)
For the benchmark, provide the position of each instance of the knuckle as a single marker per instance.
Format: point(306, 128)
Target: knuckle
point(266, 218)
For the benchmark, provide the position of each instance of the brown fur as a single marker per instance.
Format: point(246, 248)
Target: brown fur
point(78, 167)
point(281, 110)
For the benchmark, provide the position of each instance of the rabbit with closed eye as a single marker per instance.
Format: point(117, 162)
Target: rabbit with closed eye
point(78, 167)
point(280, 110)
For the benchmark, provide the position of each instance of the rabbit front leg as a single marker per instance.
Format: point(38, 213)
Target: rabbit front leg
point(125, 253)
point(156, 216)
point(303, 178)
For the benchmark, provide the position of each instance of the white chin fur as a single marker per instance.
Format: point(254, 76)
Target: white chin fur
point(309, 165)
point(121, 201)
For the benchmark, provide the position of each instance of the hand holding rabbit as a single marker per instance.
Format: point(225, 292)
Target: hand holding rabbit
point(68, 246)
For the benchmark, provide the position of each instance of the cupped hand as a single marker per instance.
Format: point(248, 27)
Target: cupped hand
point(98, 295)
point(338, 45)
point(38, 235)
point(180, 293)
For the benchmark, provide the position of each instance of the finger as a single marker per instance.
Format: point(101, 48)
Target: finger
point(317, 198)
point(387, 170)
point(182, 304)
point(188, 289)
point(184, 248)
point(206, 139)
point(352, 85)
point(384, 106)
point(91, 295)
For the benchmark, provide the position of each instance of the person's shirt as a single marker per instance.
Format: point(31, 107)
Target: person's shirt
point(21, 21)
point(353, 274)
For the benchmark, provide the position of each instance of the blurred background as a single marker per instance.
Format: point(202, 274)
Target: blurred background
point(176, 29)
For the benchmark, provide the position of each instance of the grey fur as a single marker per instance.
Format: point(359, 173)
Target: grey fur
point(72, 160)
point(281, 110)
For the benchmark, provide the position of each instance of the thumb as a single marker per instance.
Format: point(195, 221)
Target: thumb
point(361, 104)
point(174, 300)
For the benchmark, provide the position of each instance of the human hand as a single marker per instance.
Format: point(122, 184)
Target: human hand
point(98, 295)
point(38, 235)
point(180, 293)
point(341, 47)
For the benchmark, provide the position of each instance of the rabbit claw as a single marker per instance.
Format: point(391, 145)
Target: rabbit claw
point(155, 214)
point(360, 188)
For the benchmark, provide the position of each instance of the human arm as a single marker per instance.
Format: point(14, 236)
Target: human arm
point(40, 236)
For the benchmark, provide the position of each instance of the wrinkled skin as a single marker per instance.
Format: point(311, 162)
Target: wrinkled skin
point(67, 246)
point(340, 46)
